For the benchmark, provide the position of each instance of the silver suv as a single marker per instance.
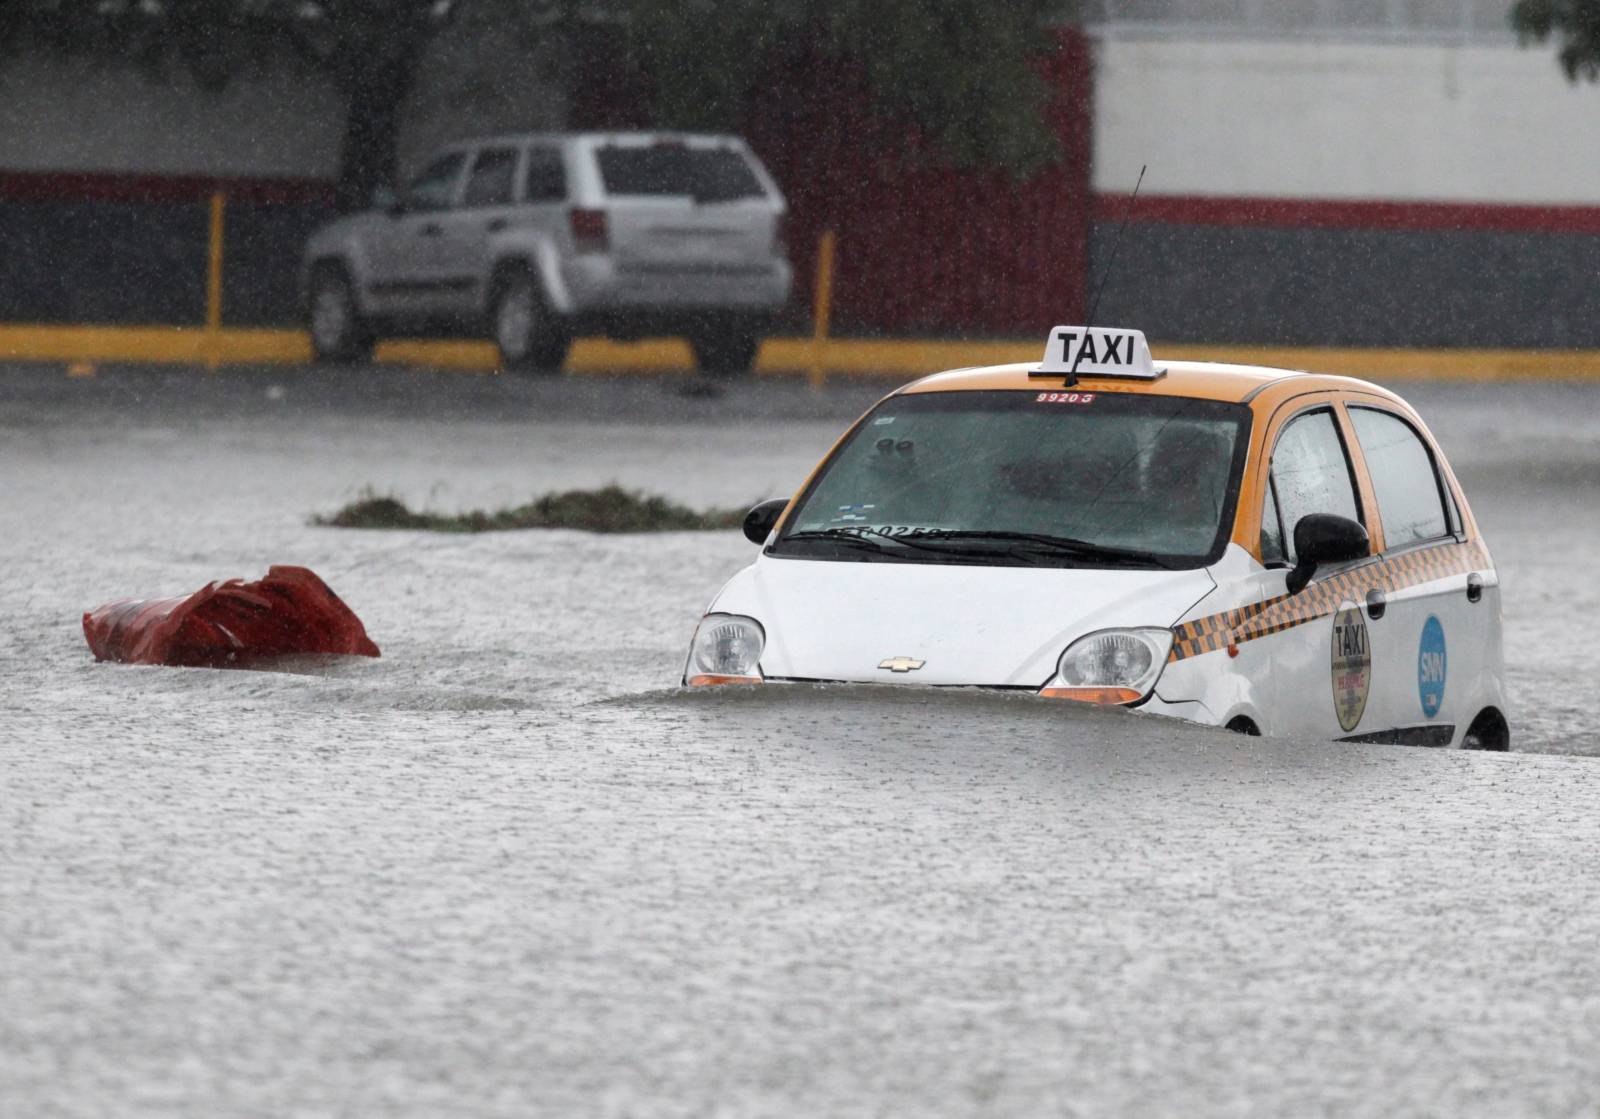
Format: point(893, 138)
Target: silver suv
point(533, 240)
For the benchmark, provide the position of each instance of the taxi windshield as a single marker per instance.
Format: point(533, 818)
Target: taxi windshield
point(1011, 478)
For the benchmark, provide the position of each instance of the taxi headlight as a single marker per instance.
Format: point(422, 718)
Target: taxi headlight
point(1112, 666)
point(726, 649)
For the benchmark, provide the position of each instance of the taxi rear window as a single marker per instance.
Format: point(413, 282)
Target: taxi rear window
point(1137, 479)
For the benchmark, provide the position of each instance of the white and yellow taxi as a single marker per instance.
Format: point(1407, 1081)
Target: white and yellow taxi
point(1266, 550)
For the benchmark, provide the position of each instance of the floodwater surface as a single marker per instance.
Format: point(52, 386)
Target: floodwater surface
point(509, 869)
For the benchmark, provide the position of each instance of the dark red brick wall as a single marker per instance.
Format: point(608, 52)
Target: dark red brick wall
point(922, 248)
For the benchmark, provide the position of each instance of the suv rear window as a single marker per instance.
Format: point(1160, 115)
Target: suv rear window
point(704, 174)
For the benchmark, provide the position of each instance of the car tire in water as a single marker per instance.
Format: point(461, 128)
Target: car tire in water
point(529, 337)
point(725, 351)
point(339, 335)
point(1487, 732)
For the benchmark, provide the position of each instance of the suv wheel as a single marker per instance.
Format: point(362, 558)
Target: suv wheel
point(333, 320)
point(727, 351)
point(530, 338)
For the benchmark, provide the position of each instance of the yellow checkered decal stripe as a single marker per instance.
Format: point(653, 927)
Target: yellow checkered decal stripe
point(1323, 598)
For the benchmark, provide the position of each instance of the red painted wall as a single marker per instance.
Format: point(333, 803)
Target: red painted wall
point(930, 250)
point(921, 249)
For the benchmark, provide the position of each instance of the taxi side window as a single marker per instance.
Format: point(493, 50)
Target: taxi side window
point(1404, 478)
point(1311, 474)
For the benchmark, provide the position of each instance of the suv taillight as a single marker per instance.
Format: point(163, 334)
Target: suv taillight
point(589, 231)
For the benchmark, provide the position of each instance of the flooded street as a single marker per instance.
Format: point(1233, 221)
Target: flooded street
point(508, 870)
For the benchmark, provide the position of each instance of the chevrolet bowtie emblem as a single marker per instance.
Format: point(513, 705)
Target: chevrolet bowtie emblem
point(901, 664)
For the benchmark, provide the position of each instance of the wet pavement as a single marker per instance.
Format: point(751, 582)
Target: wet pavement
point(506, 870)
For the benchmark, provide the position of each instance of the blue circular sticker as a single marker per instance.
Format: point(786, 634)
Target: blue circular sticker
point(1431, 667)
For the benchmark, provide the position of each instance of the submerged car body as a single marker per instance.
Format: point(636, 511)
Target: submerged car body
point(1272, 551)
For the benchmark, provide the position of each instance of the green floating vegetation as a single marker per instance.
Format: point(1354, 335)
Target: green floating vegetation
point(610, 509)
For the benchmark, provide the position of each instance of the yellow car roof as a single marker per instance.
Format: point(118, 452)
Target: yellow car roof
point(1201, 380)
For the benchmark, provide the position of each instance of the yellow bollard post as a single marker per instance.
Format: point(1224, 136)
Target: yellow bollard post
point(823, 309)
point(219, 202)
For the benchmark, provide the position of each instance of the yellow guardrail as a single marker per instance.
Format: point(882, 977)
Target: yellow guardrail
point(213, 345)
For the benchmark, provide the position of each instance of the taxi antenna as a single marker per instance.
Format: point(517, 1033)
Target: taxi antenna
point(1105, 275)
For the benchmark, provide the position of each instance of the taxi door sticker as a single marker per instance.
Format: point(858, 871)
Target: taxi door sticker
point(1352, 665)
point(1432, 665)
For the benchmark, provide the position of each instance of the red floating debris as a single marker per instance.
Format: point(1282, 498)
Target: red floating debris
point(223, 623)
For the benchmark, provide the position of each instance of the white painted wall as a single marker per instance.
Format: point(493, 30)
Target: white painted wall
point(73, 115)
point(1343, 120)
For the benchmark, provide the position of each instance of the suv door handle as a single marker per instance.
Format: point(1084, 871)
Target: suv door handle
point(1474, 587)
point(496, 225)
point(430, 230)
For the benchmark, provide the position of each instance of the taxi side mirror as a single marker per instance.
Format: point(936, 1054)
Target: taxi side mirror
point(1321, 538)
point(759, 521)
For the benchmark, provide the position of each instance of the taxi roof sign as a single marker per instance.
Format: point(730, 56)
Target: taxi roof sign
point(1096, 351)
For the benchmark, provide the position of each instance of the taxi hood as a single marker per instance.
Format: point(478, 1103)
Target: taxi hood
point(991, 626)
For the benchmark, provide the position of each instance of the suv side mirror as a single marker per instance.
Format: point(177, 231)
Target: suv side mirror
point(759, 521)
point(1321, 538)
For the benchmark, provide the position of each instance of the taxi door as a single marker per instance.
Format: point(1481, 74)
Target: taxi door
point(1320, 643)
point(1428, 626)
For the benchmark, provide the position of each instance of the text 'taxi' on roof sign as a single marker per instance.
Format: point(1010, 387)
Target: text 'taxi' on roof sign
point(1106, 351)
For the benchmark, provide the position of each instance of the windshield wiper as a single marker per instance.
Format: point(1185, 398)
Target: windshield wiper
point(1084, 549)
point(873, 538)
point(835, 535)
